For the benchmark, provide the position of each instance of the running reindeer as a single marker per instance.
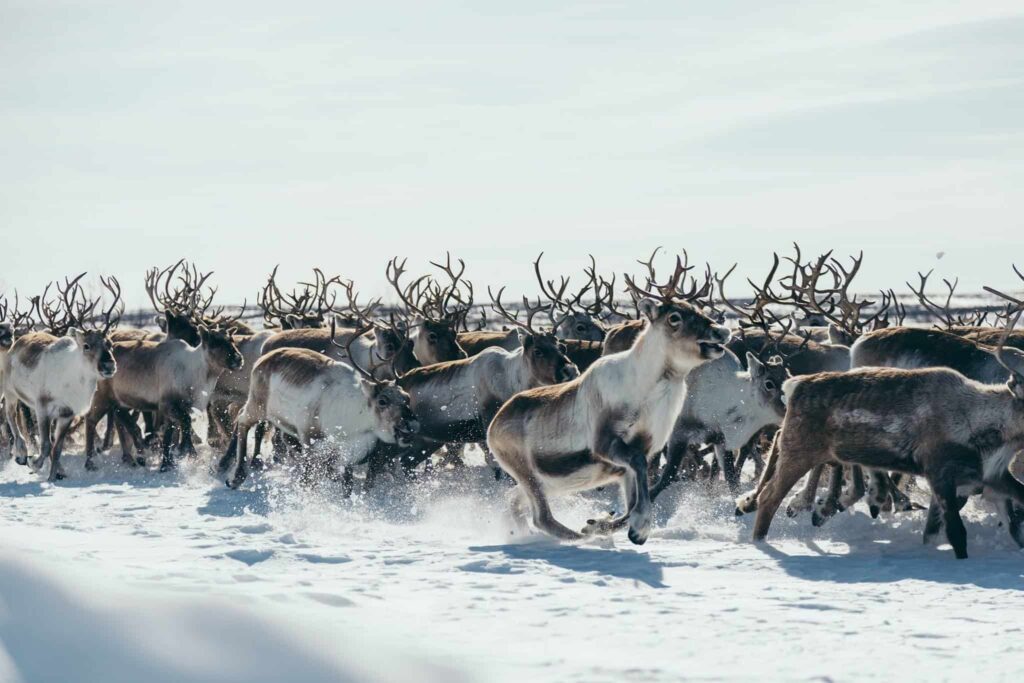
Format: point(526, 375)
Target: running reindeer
point(337, 410)
point(607, 425)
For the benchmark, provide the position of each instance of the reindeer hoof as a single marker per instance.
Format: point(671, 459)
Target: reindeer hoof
point(91, 466)
point(818, 519)
point(874, 510)
point(167, 464)
point(257, 464)
point(738, 512)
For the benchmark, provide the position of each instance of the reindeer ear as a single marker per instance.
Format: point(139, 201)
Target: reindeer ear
point(525, 338)
point(648, 307)
point(75, 334)
point(755, 366)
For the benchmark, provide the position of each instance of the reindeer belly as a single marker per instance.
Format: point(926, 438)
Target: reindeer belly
point(574, 471)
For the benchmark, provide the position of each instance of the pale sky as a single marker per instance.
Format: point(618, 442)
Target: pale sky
point(244, 134)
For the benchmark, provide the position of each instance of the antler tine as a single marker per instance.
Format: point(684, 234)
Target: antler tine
point(649, 265)
point(941, 312)
point(360, 331)
point(592, 283)
point(720, 281)
point(393, 273)
point(531, 311)
point(451, 291)
point(114, 287)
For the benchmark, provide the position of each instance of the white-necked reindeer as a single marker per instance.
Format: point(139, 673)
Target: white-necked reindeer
point(56, 377)
point(607, 425)
point(725, 405)
point(318, 400)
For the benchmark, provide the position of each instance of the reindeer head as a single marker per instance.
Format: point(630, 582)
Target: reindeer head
point(692, 337)
point(97, 350)
point(440, 310)
point(388, 402)
point(179, 326)
point(579, 319)
point(396, 423)
point(221, 349)
point(580, 325)
point(543, 352)
point(393, 344)
point(767, 380)
point(74, 315)
point(545, 356)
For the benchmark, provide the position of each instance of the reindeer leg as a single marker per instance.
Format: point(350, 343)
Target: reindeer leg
point(18, 446)
point(791, 464)
point(933, 522)
point(830, 504)
point(543, 519)
point(677, 449)
point(804, 499)
point(56, 469)
point(726, 460)
point(91, 422)
point(956, 533)
point(108, 436)
point(635, 492)
point(748, 502)
point(856, 490)
point(45, 444)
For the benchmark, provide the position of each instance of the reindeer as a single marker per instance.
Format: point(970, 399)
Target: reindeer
point(435, 327)
point(456, 400)
point(934, 422)
point(318, 400)
point(170, 378)
point(579, 321)
point(57, 376)
point(605, 426)
point(726, 405)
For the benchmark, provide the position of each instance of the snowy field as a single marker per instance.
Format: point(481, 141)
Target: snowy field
point(141, 576)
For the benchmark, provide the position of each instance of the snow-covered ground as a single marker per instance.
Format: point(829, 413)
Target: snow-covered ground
point(141, 576)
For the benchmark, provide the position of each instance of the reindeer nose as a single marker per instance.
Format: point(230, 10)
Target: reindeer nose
point(722, 333)
point(569, 372)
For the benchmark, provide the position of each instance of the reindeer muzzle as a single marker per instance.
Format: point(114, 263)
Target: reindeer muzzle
point(712, 346)
point(568, 372)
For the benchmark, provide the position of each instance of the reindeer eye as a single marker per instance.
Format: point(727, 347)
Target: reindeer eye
point(537, 353)
point(86, 346)
point(580, 327)
point(769, 385)
point(432, 338)
point(382, 402)
point(674, 319)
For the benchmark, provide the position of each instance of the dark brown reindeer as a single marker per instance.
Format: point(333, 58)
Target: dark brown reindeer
point(439, 311)
point(934, 422)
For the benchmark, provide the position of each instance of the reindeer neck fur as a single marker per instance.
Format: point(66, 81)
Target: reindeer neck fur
point(644, 384)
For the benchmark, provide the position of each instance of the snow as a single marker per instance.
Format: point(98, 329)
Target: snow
point(125, 575)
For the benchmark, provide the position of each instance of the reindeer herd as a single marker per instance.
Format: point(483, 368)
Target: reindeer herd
point(661, 380)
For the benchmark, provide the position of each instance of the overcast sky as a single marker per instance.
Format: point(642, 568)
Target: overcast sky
point(245, 134)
